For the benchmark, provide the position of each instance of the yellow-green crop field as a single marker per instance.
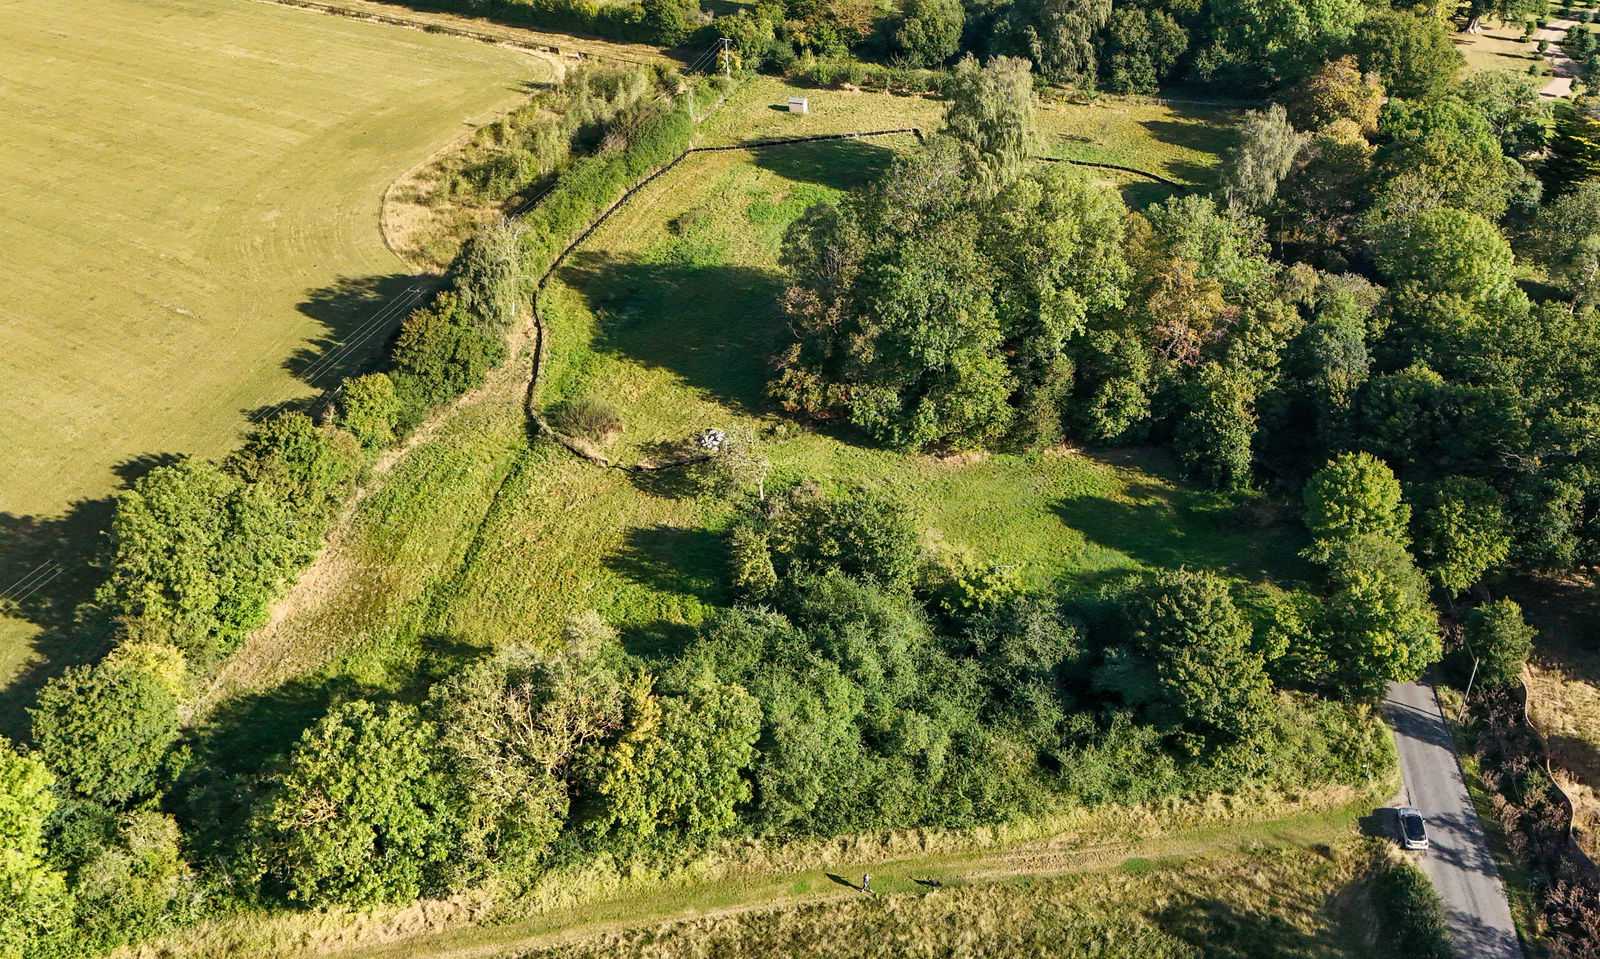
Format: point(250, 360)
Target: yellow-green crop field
point(189, 203)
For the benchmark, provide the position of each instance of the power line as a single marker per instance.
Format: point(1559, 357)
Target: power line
point(31, 581)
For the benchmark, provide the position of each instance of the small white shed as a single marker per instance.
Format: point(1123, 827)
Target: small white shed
point(799, 105)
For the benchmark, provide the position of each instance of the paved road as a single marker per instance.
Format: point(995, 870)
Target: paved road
point(1458, 862)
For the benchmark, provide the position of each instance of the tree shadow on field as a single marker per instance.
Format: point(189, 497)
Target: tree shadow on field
point(715, 327)
point(671, 559)
point(1139, 194)
point(839, 164)
point(47, 572)
point(659, 641)
point(50, 568)
point(358, 315)
point(1579, 757)
point(1171, 526)
point(1201, 133)
point(1222, 930)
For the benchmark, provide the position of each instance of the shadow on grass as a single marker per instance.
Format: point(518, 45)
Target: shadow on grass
point(358, 315)
point(671, 559)
point(1171, 526)
point(1145, 193)
point(1222, 930)
point(660, 641)
point(1199, 132)
point(50, 568)
point(1579, 757)
point(715, 327)
point(839, 164)
point(48, 571)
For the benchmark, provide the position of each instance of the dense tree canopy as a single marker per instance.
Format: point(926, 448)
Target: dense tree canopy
point(1500, 641)
point(929, 31)
point(35, 906)
point(106, 729)
point(1190, 663)
point(362, 812)
point(960, 336)
point(1414, 55)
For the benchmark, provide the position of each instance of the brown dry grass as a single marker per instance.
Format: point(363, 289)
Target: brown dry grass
point(1290, 901)
point(1564, 693)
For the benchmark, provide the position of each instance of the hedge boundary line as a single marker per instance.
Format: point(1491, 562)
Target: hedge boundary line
point(541, 426)
point(1158, 178)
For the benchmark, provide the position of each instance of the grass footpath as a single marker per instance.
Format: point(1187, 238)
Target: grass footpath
point(191, 195)
point(1499, 47)
point(1281, 870)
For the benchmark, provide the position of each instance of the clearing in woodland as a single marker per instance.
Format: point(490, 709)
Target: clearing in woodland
point(191, 191)
point(670, 313)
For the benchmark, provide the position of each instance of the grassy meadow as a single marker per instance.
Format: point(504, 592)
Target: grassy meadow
point(1309, 864)
point(191, 195)
point(670, 312)
point(1499, 47)
point(1270, 902)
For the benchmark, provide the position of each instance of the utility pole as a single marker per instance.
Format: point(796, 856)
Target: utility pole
point(727, 61)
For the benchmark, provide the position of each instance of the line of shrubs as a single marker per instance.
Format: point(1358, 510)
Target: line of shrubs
point(198, 551)
point(540, 137)
point(1413, 913)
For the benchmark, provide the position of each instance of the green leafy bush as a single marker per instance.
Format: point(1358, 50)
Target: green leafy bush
point(369, 408)
point(362, 813)
point(106, 729)
point(1413, 913)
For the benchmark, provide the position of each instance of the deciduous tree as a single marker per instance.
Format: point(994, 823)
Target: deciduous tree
point(1355, 495)
point(990, 114)
point(106, 729)
point(35, 906)
point(929, 31)
point(1462, 532)
point(361, 813)
point(1500, 640)
point(1190, 663)
point(1262, 157)
point(1414, 55)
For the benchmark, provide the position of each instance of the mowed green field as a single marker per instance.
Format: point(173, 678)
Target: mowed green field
point(189, 200)
point(670, 312)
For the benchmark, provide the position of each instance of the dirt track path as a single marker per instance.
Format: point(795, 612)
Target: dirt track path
point(1565, 68)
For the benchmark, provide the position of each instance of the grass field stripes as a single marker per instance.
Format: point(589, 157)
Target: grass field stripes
point(377, 323)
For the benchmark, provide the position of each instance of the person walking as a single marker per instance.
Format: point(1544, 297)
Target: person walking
point(866, 882)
